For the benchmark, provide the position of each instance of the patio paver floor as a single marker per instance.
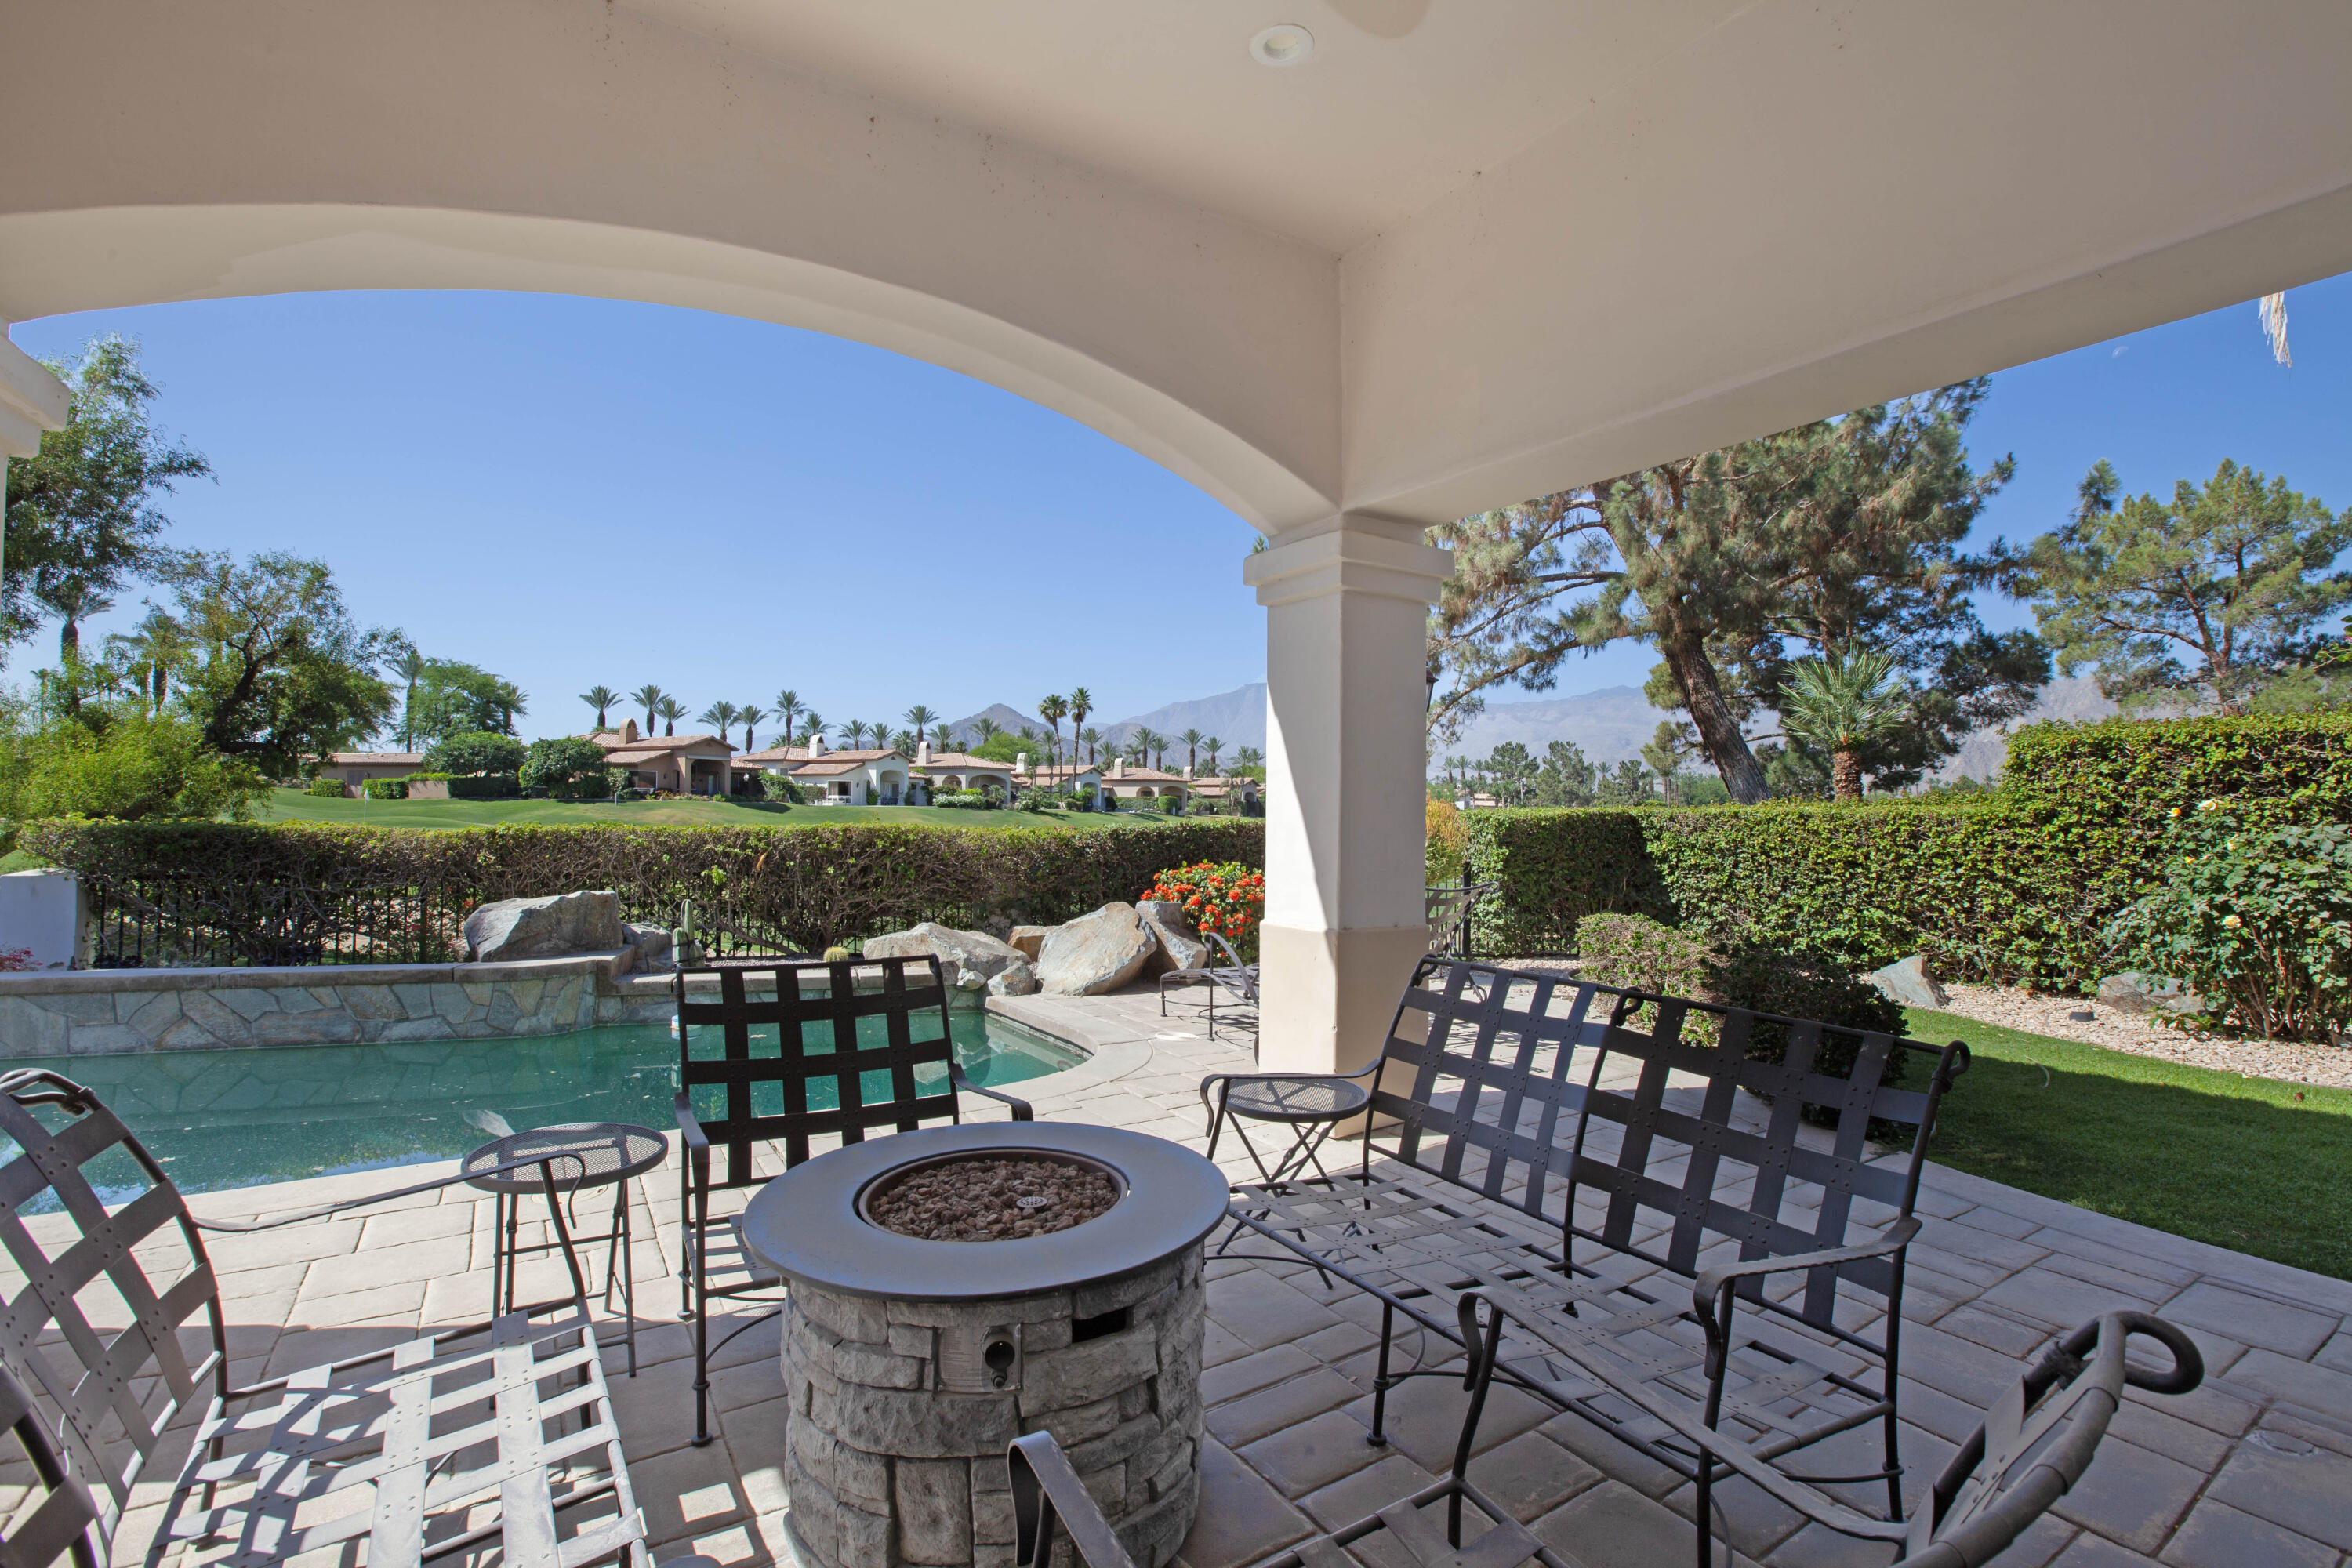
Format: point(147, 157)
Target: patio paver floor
point(2255, 1467)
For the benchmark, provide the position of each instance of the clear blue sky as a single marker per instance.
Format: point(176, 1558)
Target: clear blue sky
point(569, 492)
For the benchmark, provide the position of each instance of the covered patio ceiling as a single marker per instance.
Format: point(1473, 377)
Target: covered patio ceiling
point(1459, 254)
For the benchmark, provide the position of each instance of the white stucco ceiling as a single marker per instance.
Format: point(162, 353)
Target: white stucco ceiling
point(1401, 101)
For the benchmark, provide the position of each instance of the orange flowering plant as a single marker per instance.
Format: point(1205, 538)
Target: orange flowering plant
point(1226, 898)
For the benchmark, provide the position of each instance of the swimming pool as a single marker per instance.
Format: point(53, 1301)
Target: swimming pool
point(227, 1119)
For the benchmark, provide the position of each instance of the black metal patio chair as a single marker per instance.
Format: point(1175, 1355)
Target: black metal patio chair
point(499, 1434)
point(774, 1094)
point(1234, 978)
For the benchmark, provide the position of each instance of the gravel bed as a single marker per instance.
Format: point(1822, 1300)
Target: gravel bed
point(2136, 1033)
point(988, 1199)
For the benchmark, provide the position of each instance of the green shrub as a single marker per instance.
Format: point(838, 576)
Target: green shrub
point(475, 752)
point(326, 789)
point(778, 787)
point(1555, 867)
point(484, 787)
point(567, 768)
point(1637, 953)
point(965, 800)
point(2258, 921)
point(385, 789)
point(116, 763)
point(290, 887)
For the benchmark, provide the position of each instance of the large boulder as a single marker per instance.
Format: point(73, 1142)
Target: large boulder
point(2132, 991)
point(1181, 946)
point(1906, 980)
point(651, 945)
point(1029, 939)
point(546, 928)
point(973, 962)
point(1096, 952)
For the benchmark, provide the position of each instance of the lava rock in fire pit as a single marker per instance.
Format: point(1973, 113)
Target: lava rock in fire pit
point(992, 1199)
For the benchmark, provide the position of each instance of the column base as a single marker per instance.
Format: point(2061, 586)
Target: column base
point(1329, 995)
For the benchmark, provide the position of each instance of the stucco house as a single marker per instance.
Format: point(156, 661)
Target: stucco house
point(934, 771)
point(357, 768)
point(1082, 778)
point(1237, 790)
point(1128, 781)
point(689, 765)
point(874, 777)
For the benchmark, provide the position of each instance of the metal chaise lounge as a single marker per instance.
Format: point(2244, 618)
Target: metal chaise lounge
point(495, 1436)
point(1235, 979)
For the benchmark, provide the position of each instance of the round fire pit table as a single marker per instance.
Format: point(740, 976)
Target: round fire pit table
point(910, 1363)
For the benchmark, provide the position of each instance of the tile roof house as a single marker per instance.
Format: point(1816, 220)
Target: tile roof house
point(959, 770)
point(867, 777)
point(689, 765)
point(356, 768)
point(1128, 781)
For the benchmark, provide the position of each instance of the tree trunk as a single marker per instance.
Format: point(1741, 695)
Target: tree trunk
point(1718, 731)
point(1845, 773)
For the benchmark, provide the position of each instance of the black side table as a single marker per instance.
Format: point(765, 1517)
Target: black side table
point(602, 1153)
point(1311, 1105)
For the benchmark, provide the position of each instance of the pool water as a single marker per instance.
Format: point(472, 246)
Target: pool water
point(242, 1118)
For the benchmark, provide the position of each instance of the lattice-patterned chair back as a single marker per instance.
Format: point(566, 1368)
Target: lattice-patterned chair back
point(1481, 1075)
point(104, 1353)
point(798, 1040)
point(1488, 1074)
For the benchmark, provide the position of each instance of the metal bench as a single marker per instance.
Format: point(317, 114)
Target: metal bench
point(1728, 1293)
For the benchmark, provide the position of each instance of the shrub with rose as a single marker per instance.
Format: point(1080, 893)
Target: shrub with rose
point(2256, 918)
point(1226, 898)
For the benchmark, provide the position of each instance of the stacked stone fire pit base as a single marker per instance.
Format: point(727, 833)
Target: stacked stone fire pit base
point(879, 1434)
point(911, 1363)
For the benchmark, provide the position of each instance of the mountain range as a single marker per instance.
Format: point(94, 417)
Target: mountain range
point(1611, 724)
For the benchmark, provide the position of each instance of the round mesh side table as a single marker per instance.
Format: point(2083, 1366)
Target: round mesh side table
point(1311, 1106)
point(594, 1154)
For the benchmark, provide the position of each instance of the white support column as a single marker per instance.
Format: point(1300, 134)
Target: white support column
point(1346, 602)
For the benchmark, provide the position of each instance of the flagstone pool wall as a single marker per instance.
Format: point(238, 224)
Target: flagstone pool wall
point(92, 1012)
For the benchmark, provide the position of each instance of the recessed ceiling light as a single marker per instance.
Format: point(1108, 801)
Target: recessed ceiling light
point(1283, 45)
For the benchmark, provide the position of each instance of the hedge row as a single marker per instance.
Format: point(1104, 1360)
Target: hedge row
point(299, 892)
point(2014, 886)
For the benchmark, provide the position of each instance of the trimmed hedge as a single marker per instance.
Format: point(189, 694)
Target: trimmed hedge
point(297, 892)
point(2015, 885)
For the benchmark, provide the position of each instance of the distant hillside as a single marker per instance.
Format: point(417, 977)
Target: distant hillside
point(2071, 697)
point(1611, 724)
point(1236, 717)
point(1006, 718)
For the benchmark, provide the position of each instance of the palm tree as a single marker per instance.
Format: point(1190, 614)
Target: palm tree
point(1149, 744)
point(987, 729)
point(812, 723)
point(1082, 702)
point(923, 719)
point(1213, 746)
point(1192, 739)
point(1089, 739)
point(649, 698)
point(788, 707)
point(855, 731)
point(150, 652)
point(600, 698)
point(411, 669)
point(671, 711)
point(905, 740)
point(1841, 705)
point(719, 713)
point(749, 716)
point(1053, 709)
point(1249, 757)
point(76, 602)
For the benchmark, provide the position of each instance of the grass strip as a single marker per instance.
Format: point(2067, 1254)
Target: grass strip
point(2254, 1165)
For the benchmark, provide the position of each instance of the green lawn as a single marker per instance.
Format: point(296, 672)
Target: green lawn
point(293, 805)
point(2249, 1163)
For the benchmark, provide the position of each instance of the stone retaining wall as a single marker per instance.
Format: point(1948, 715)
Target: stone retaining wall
point(101, 1011)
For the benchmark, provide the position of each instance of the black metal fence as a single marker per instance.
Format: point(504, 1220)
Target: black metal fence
point(169, 923)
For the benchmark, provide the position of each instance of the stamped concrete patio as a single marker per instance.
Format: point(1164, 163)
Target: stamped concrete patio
point(2254, 1469)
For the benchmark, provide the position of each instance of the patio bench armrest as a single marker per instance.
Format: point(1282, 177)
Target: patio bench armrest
point(1708, 1288)
point(1021, 1112)
point(545, 1162)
